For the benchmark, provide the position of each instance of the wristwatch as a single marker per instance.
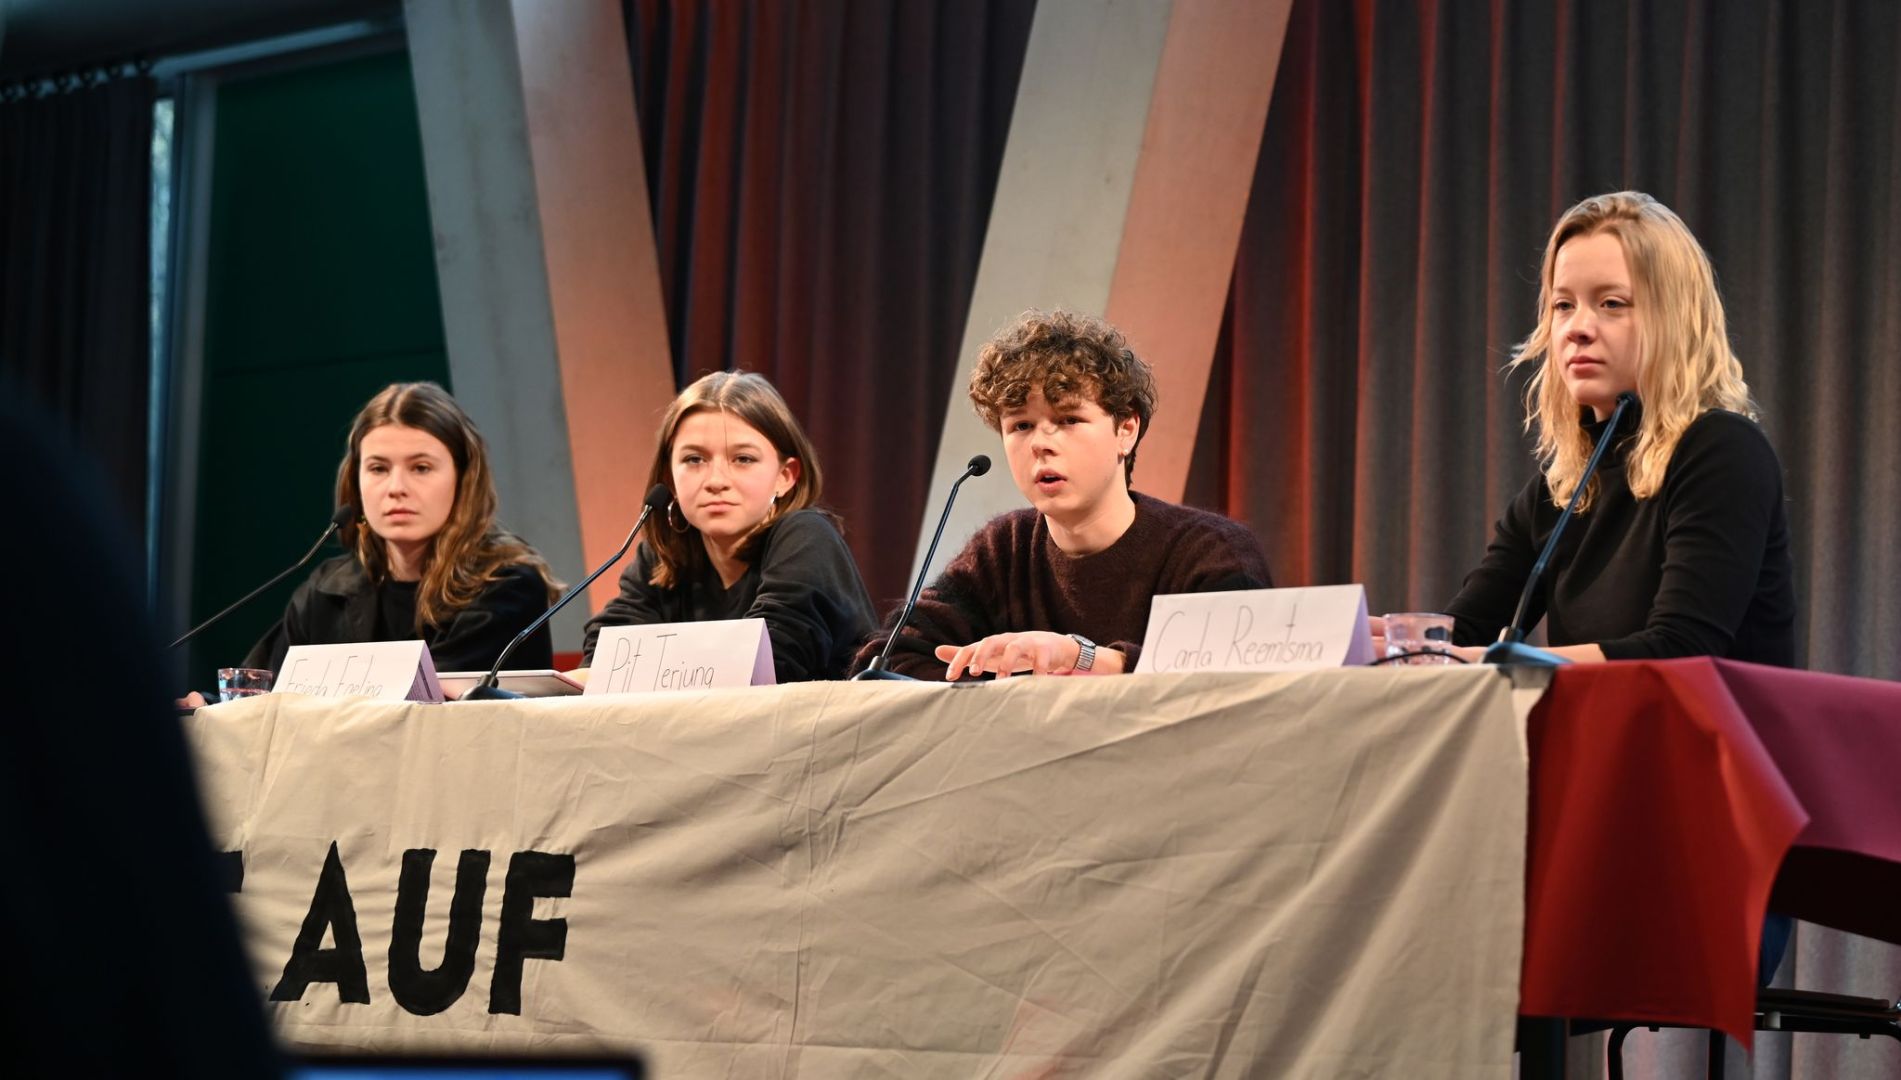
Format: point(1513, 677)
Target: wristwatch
point(1085, 659)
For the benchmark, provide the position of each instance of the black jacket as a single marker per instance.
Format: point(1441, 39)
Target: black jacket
point(338, 604)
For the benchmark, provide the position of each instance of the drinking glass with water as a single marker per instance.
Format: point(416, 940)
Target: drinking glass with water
point(243, 682)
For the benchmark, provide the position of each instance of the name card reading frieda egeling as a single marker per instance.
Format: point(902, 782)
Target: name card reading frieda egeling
point(384, 670)
point(681, 656)
point(1257, 630)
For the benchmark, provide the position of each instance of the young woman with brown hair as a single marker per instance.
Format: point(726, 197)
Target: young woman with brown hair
point(426, 558)
point(743, 537)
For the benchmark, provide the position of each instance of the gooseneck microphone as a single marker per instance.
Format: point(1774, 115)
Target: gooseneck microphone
point(657, 499)
point(338, 519)
point(1510, 648)
point(978, 465)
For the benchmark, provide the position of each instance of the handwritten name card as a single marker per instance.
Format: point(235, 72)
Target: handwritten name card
point(681, 656)
point(384, 670)
point(1258, 630)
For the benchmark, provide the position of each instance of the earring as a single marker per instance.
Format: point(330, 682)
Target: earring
point(673, 507)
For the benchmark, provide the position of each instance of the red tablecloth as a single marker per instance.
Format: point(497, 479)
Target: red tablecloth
point(1672, 803)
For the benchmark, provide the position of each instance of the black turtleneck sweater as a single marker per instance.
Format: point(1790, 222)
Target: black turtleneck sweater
point(1701, 568)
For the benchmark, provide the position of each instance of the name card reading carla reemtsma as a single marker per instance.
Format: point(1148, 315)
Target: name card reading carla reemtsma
point(384, 670)
point(681, 656)
point(1322, 626)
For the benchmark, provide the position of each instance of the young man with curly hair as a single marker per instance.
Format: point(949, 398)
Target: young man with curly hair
point(1036, 589)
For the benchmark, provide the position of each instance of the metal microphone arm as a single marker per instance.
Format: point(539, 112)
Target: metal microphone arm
point(486, 690)
point(1510, 648)
point(255, 593)
point(978, 465)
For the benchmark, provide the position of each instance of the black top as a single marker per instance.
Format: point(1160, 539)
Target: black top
point(396, 611)
point(338, 604)
point(803, 581)
point(1701, 568)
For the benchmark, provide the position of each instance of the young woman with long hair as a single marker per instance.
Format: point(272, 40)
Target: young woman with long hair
point(1681, 543)
point(743, 536)
point(425, 556)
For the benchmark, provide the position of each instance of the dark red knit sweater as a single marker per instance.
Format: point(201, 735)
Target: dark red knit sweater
point(1012, 577)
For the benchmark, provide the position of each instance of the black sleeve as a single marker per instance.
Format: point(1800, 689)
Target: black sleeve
point(637, 605)
point(812, 598)
point(477, 634)
point(949, 611)
point(1721, 492)
point(1490, 594)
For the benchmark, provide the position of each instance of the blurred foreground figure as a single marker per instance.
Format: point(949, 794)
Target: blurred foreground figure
point(122, 952)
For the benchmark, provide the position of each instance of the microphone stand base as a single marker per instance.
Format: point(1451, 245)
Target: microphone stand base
point(880, 674)
point(490, 693)
point(1517, 652)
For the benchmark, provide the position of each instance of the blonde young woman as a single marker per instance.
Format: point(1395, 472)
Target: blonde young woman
point(1681, 546)
point(426, 559)
point(743, 536)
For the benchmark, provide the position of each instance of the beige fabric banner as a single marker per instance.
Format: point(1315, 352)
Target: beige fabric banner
point(1148, 876)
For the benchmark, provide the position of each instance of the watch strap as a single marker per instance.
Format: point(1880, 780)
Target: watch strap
point(1085, 659)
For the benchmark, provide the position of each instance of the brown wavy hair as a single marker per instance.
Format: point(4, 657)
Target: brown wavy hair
point(1068, 356)
point(471, 550)
point(1685, 365)
point(747, 396)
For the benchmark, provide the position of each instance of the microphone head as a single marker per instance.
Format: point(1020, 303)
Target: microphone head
point(978, 464)
point(343, 515)
point(657, 498)
point(1628, 397)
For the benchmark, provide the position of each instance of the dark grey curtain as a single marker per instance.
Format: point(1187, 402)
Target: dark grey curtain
point(75, 285)
point(1415, 156)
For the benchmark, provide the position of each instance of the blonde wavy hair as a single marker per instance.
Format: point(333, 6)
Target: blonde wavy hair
point(1685, 366)
point(470, 550)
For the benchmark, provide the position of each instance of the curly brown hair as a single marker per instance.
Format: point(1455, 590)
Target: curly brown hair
point(471, 550)
point(1067, 356)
